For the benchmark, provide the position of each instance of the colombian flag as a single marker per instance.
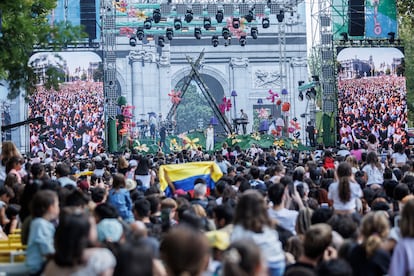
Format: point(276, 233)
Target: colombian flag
point(183, 175)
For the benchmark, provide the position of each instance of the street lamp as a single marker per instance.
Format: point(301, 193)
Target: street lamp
point(234, 95)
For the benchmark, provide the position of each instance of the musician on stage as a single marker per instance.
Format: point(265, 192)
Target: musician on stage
point(244, 117)
point(209, 138)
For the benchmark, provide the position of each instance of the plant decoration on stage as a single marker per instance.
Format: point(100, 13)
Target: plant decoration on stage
point(236, 32)
point(125, 120)
point(174, 146)
point(225, 105)
point(279, 143)
point(188, 142)
point(139, 14)
point(127, 31)
point(121, 6)
point(175, 96)
point(294, 125)
point(263, 113)
point(140, 147)
point(274, 97)
point(256, 136)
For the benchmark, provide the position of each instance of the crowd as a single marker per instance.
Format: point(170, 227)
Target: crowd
point(273, 212)
point(374, 105)
point(73, 116)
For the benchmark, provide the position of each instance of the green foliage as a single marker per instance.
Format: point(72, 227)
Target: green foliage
point(98, 73)
point(192, 109)
point(25, 28)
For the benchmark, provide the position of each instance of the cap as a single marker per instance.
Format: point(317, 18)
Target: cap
point(109, 230)
point(130, 184)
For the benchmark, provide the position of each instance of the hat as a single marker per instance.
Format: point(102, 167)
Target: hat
point(133, 163)
point(180, 192)
point(109, 230)
point(130, 184)
point(218, 239)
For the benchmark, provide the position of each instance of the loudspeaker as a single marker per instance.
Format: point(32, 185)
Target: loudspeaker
point(356, 17)
point(88, 17)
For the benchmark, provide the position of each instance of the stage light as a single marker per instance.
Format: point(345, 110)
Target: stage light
point(280, 16)
point(344, 36)
point(219, 16)
point(391, 37)
point(300, 95)
point(148, 23)
point(254, 32)
point(243, 40)
point(188, 16)
point(177, 23)
point(169, 33)
point(265, 22)
point(315, 78)
point(207, 23)
point(311, 94)
point(226, 33)
point(133, 41)
point(249, 17)
point(161, 41)
point(140, 33)
point(156, 15)
point(197, 33)
point(236, 23)
point(215, 41)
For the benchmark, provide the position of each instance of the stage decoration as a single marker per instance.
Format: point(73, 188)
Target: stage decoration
point(175, 96)
point(279, 102)
point(284, 91)
point(174, 146)
point(279, 143)
point(232, 136)
point(273, 96)
point(140, 147)
point(126, 31)
point(263, 113)
point(286, 107)
point(294, 125)
point(295, 143)
point(256, 136)
point(235, 141)
point(121, 6)
point(225, 105)
point(236, 32)
point(190, 143)
point(139, 14)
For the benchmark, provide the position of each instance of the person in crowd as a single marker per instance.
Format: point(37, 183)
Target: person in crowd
point(144, 174)
point(77, 258)
point(402, 262)
point(120, 198)
point(345, 192)
point(251, 221)
point(399, 158)
point(374, 171)
point(40, 246)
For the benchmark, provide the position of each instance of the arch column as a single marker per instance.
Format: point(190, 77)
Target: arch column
point(240, 82)
point(137, 95)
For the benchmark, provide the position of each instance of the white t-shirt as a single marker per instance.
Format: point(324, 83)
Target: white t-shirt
point(400, 158)
point(375, 175)
point(333, 194)
point(285, 217)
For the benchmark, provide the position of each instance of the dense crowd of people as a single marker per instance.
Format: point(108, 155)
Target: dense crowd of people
point(374, 105)
point(74, 119)
point(273, 212)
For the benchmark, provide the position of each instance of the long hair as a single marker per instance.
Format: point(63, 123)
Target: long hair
point(241, 259)
point(374, 229)
point(407, 220)
point(344, 173)
point(251, 212)
point(73, 226)
point(372, 159)
point(8, 150)
point(143, 166)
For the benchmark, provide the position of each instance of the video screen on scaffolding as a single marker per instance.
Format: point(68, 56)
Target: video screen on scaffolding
point(72, 108)
point(371, 96)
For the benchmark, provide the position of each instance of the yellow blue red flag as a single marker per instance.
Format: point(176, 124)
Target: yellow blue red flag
point(182, 176)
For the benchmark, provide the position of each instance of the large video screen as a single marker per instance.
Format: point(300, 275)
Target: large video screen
point(371, 95)
point(73, 112)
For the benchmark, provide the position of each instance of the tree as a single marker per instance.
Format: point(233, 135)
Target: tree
point(25, 29)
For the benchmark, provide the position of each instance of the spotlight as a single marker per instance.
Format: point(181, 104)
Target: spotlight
point(225, 33)
point(169, 33)
point(250, 17)
point(161, 41)
point(236, 23)
point(391, 37)
point(219, 16)
point(156, 15)
point(148, 23)
point(280, 16)
point(265, 22)
point(315, 78)
point(140, 33)
point(254, 32)
point(215, 40)
point(197, 33)
point(300, 95)
point(188, 16)
point(311, 94)
point(133, 41)
point(207, 23)
point(243, 40)
point(177, 23)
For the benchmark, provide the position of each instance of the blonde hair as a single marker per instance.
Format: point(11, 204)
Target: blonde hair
point(122, 163)
point(199, 210)
point(8, 150)
point(374, 229)
point(352, 161)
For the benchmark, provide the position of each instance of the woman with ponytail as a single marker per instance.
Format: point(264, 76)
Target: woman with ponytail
point(345, 191)
point(369, 258)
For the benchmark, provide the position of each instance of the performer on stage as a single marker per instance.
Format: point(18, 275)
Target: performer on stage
point(163, 135)
point(209, 138)
point(310, 129)
point(153, 125)
point(244, 117)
